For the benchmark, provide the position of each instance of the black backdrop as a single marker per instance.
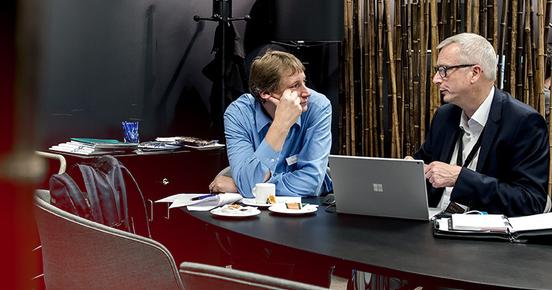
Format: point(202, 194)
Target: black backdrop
point(102, 62)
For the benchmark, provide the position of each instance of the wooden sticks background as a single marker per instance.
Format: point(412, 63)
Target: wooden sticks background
point(387, 97)
point(389, 53)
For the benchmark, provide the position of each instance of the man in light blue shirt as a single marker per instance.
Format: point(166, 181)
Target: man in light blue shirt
point(281, 133)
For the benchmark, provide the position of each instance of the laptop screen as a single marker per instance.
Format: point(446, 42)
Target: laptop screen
point(385, 187)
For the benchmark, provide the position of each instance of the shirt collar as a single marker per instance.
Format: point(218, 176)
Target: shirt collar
point(263, 119)
point(481, 115)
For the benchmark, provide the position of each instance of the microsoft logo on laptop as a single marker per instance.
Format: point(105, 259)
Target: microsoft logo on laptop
point(378, 187)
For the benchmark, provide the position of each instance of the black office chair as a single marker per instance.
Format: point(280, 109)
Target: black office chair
point(201, 276)
point(80, 254)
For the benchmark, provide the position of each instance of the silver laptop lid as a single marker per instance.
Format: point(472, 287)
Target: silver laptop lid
point(384, 187)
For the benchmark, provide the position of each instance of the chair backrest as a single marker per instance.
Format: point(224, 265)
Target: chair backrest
point(81, 254)
point(226, 171)
point(200, 276)
point(59, 157)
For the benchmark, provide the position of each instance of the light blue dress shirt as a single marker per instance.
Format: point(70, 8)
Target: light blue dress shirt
point(300, 168)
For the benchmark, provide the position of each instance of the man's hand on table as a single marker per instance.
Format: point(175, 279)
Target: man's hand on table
point(223, 183)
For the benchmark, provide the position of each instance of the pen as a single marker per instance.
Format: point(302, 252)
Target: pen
point(203, 196)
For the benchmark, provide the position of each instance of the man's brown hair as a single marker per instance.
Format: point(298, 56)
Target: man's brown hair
point(268, 70)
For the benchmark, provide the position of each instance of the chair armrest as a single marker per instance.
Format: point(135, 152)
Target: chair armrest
point(62, 162)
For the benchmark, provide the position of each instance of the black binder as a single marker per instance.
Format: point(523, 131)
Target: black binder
point(534, 228)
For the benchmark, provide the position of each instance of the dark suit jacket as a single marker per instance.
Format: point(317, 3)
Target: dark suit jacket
point(512, 169)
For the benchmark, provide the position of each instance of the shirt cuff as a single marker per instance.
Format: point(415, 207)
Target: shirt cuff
point(267, 156)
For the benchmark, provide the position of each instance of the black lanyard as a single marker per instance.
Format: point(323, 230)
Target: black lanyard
point(472, 152)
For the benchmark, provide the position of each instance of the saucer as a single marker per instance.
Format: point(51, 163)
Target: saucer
point(253, 202)
point(282, 209)
point(225, 211)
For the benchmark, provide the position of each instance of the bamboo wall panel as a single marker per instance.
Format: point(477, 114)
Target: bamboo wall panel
point(388, 99)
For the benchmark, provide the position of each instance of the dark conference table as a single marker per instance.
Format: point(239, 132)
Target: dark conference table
point(399, 248)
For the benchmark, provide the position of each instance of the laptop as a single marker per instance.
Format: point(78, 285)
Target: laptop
point(384, 187)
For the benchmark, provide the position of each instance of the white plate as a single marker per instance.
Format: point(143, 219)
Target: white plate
point(253, 202)
point(279, 199)
point(237, 213)
point(281, 208)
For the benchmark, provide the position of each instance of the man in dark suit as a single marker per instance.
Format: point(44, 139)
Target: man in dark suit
point(485, 150)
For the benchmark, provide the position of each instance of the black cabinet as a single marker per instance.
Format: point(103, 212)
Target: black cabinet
point(162, 174)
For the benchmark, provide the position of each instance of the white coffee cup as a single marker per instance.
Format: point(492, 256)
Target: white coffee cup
point(262, 191)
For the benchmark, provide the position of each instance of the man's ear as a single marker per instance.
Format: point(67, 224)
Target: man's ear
point(264, 95)
point(477, 73)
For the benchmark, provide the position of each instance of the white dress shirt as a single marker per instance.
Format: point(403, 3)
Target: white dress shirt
point(472, 128)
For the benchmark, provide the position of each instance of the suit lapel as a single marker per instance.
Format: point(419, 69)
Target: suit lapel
point(491, 128)
point(449, 143)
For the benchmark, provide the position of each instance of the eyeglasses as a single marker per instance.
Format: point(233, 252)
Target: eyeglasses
point(443, 69)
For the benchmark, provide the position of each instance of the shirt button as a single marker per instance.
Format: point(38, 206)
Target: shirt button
point(272, 160)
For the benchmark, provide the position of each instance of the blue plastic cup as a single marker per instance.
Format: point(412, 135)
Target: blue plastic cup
point(130, 130)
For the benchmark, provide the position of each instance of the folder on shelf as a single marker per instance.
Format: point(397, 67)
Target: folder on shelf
point(105, 143)
point(537, 228)
point(92, 146)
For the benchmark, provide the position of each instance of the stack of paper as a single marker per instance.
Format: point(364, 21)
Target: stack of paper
point(91, 146)
point(480, 223)
point(201, 201)
point(191, 142)
point(154, 146)
point(194, 141)
point(105, 143)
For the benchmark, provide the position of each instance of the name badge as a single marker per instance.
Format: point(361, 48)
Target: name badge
point(291, 160)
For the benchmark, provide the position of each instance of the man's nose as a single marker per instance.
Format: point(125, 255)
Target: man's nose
point(437, 78)
point(304, 91)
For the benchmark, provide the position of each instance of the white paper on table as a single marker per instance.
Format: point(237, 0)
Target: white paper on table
point(200, 207)
point(221, 199)
point(185, 199)
point(206, 203)
point(532, 222)
point(188, 201)
point(180, 196)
